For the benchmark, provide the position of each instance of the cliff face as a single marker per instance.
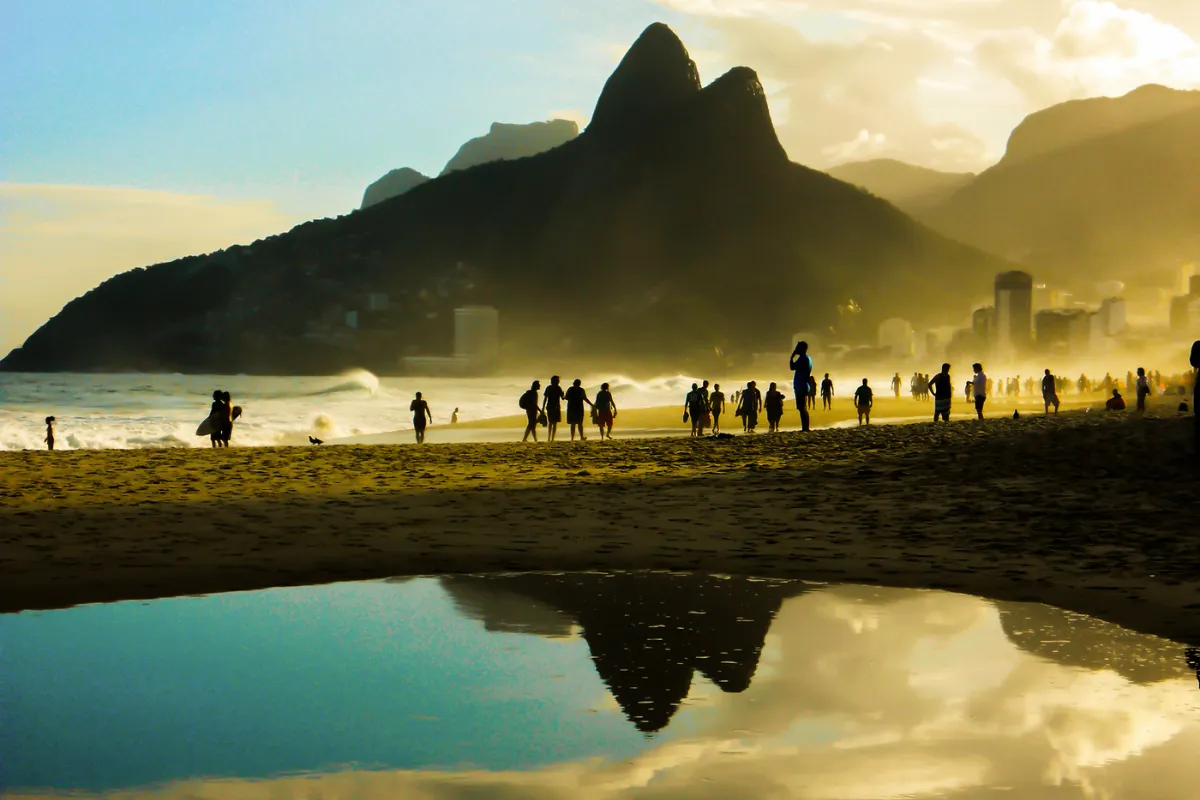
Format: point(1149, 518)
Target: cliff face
point(672, 227)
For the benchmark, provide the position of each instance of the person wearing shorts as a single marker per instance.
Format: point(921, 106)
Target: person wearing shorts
point(1049, 392)
point(552, 400)
point(716, 402)
point(979, 385)
point(606, 411)
point(864, 399)
point(943, 393)
point(421, 414)
point(576, 397)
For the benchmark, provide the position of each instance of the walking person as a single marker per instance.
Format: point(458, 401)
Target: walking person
point(693, 409)
point(1049, 392)
point(864, 399)
point(49, 433)
point(801, 364)
point(606, 411)
point(1143, 390)
point(749, 406)
point(421, 415)
point(227, 418)
point(896, 385)
point(942, 389)
point(552, 400)
point(576, 397)
point(454, 417)
point(773, 403)
point(980, 388)
point(704, 395)
point(826, 394)
point(529, 404)
point(811, 394)
point(716, 404)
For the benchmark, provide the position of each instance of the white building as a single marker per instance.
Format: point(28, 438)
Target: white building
point(897, 335)
point(477, 334)
point(1113, 316)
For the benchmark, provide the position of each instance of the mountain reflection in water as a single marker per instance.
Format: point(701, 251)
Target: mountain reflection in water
point(482, 686)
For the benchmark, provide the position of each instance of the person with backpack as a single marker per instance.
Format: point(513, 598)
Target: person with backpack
point(529, 403)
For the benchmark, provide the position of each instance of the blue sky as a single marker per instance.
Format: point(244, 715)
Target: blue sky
point(303, 102)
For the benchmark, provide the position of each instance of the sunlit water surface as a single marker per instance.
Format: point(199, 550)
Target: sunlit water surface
point(591, 686)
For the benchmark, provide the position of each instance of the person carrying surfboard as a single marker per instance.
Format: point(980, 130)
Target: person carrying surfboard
point(215, 415)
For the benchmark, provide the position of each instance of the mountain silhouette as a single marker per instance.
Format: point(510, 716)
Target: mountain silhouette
point(393, 184)
point(673, 227)
point(504, 141)
point(648, 633)
point(1090, 189)
point(910, 188)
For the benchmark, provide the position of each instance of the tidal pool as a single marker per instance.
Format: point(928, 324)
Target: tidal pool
point(591, 685)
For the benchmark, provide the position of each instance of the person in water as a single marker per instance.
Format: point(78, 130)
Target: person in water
point(750, 405)
point(576, 397)
point(421, 415)
point(606, 411)
point(826, 393)
point(529, 404)
point(943, 394)
point(552, 400)
point(1116, 402)
point(864, 399)
point(716, 403)
point(1049, 392)
point(454, 417)
point(801, 364)
point(50, 433)
point(773, 403)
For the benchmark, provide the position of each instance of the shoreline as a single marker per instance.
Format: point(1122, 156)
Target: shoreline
point(1092, 513)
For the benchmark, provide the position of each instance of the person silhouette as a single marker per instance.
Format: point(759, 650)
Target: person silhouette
point(1195, 361)
point(864, 399)
point(716, 402)
point(529, 404)
point(576, 397)
point(827, 393)
point(1049, 392)
point(943, 394)
point(421, 414)
point(50, 433)
point(552, 406)
point(454, 417)
point(606, 411)
point(801, 364)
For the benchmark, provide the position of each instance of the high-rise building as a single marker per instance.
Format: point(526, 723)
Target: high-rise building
point(1014, 312)
point(982, 323)
point(1112, 316)
point(1063, 330)
point(1180, 313)
point(477, 334)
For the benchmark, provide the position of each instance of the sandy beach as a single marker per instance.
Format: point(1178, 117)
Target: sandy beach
point(1091, 512)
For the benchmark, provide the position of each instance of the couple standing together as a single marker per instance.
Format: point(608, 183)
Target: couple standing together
point(801, 364)
point(220, 418)
point(604, 409)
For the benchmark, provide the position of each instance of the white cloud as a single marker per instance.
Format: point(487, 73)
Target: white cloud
point(57, 242)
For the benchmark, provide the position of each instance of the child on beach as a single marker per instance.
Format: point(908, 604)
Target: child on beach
point(50, 432)
point(1143, 389)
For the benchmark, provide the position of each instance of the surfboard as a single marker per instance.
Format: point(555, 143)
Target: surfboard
point(206, 427)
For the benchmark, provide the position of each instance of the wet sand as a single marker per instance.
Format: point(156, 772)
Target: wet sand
point(1090, 512)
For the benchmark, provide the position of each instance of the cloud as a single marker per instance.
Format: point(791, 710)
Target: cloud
point(57, 242)
point(937, 83)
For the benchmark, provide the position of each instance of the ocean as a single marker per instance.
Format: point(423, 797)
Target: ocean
point(141, 410)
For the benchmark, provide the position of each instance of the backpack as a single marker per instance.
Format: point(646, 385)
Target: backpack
point(528, 401)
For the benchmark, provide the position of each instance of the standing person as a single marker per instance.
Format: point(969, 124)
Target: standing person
point(704, 393)
point(552, 400)
point(226, 419)
point(693, 409)
point(773, 403)
point(864, 398)
point(1029, 386)
point(716, 403)
point(896, 385)
point(454, 417)
point(967, 389)
point(49, 433)
point(1195, 361)
point(943, 393)
point(750, 405)
point(827, 393)
point(925, 386)
point(980, 387)
point(811, 394)
point(1143, 390)
point(529, 404)
point(606, 409)
point(1049, 392)
point(576, 397)
point(216, 413)
point(421, 414)
point(801, 364)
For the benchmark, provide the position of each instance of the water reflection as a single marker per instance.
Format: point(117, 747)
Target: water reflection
point(592, 686)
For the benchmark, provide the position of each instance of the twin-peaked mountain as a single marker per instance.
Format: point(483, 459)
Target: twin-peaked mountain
point(673, 227)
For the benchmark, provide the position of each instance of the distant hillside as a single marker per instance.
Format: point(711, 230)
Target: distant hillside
point(1084, 206)
point(910, 188)
point(502, 142)
point(673, 228)
point(513, 141)
point(393, 184)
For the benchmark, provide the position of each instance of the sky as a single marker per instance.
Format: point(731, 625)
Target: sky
point(197, 124)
